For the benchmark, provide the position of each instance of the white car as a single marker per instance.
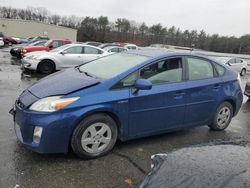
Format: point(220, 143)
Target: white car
point(115, 49)
point(236, 64)
point(66, 56)
point(131, 46)
point(1, 42)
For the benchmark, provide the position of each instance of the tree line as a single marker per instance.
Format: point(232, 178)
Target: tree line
point(123, 30)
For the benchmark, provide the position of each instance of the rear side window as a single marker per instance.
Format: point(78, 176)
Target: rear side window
point(89, 50)
point(220, 69)
point(199, 69)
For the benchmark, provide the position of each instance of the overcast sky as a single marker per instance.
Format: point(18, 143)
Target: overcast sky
point(225, 17)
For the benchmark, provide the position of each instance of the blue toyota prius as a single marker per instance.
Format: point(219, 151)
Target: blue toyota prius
point(125, 96)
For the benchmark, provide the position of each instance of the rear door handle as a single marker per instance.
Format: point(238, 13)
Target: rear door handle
point(216, 86)
point(179, 93)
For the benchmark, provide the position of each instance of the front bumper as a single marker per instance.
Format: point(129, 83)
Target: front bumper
point(57, 128)
point(15, 53)
point(30, 63)
point(1, 43)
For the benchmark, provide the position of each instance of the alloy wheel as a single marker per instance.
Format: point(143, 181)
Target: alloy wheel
point(96, 138)
point(223, 116)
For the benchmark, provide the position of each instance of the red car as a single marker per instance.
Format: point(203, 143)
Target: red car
point(8, 40)
point(50, 45)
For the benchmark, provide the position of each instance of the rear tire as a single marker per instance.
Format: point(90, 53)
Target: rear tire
point(223, 117)
point(94, 137)
point(243, 72)
point(46, 67)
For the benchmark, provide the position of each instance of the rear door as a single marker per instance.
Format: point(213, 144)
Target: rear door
point(90, 53)
point(203, 91)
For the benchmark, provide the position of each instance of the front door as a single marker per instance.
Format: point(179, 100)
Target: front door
point(161, 108)
point(71, 57)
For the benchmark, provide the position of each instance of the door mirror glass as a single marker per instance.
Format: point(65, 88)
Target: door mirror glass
point(143, 84)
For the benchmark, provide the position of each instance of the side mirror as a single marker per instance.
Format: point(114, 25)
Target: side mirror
point(63, 52)
point(143, 84)
point(228, 64)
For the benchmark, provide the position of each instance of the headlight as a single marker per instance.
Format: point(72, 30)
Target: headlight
point(52, 104)
point(24, 51)
point(35, 56)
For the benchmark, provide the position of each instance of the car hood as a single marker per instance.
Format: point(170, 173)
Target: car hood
point(35, 48)
point(62, 83)
point(38, 53)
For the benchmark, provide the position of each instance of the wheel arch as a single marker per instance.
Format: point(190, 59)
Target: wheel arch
point(47, 59)
point(232, 102)
point(106, 111)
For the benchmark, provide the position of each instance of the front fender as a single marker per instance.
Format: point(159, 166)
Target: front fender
point(87, 111)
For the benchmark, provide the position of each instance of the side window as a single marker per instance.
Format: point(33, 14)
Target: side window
point(74, 50)
point(121, 49)
point(238, 60)
point(129, 81)
point(169, 70)
point(89, 50)
point(199, 69)
point(220, 69)
point(114, 50)
point(56, 44)
point(231, 61)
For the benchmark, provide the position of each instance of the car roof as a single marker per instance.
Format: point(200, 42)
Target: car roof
point(153, 53)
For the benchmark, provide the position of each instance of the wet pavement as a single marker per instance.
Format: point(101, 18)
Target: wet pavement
point(126, 166)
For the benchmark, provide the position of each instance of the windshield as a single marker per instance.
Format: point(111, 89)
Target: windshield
point(37, 43)
point(48, 42)
point(112, 65)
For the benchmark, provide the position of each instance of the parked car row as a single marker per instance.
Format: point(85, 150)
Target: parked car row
point(47, 56)
point(66, 56)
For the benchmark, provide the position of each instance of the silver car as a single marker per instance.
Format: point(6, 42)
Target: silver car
point(237, 64)
point(115, 49)
point(66, 56)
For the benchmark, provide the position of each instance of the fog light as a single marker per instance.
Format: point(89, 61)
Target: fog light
point(37, 134)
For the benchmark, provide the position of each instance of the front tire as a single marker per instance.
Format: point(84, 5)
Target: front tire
point(46, 67)
point(94, 137)
point(223, 117)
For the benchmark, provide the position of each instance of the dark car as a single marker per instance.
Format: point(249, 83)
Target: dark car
point(93, 43)
point(125, 96)
point(220, 164)
point(247, 89)
point(16, 52)
point(8, 40)
point(107, 45)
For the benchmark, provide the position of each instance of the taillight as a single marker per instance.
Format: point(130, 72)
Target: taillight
point(239, 81)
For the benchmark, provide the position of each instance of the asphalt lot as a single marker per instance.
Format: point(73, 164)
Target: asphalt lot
point(126, 166)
